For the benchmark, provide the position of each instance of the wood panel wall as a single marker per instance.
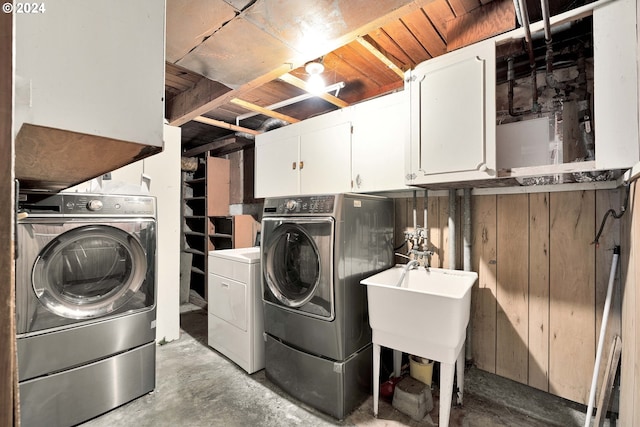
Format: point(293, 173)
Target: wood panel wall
point(537, 305)
point(630, 260)
point(8, 375)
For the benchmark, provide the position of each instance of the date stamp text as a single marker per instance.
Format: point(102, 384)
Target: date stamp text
point(30, 8)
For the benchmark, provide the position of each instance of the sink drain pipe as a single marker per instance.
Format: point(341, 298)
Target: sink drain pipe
point(603, 330)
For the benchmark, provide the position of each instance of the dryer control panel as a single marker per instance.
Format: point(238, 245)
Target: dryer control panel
point(324, 204)
point(84, 204)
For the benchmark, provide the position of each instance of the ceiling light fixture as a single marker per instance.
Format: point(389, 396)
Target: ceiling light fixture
point(315, 83)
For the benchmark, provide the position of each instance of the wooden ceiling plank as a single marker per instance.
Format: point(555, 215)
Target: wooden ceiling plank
point(225, 125)
point(462, 7)
point(375, 52)
point(439, 14)
point(213, 145)
point(404, 37)
point(357, 59)
point(495, 18)
point(295, 81)
point(422, 28)
point(187, 102)
point(267, 112)
point(181, 72)
point(385, 43)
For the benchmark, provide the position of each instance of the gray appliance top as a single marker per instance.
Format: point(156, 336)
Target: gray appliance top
point(85, 205)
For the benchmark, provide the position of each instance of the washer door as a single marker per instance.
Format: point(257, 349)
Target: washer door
point(297, 265)
point(89, 271)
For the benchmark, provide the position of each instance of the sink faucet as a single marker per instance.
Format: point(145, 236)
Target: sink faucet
point(408, 266)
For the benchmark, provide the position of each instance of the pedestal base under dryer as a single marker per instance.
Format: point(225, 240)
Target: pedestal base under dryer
point(70, 397)
point(333, 387)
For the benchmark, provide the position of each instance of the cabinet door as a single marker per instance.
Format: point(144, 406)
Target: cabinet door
point(380, 133)
point(276, 170)
point(452, 100)
point(615, 76)
point(325, 160)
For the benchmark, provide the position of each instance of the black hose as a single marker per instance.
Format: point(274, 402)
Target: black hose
point(616, 215)
point(400, 247)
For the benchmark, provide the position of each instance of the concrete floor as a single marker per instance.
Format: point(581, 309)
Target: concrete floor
point(196, 386)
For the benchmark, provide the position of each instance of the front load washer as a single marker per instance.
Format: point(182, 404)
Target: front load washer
point(315, 251)
point(85, 304)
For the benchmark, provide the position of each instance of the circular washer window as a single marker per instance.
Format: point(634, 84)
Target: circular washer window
point(292, 265)
point(89, 271)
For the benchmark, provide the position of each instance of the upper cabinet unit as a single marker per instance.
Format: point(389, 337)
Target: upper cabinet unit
point(356, 149)
point(89, 89)
point(380, 133)
point(452, 118)
point(309, 157)
point(561, 107)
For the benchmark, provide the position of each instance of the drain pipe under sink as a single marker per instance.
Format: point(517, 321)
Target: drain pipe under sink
point(603, 330)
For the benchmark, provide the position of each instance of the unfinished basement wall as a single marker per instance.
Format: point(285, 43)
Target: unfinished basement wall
point(630, 270)
point(537, 306)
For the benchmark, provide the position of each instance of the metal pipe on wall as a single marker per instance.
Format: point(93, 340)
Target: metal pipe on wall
point(467, 258)
point(452, 229)
point(532, 59)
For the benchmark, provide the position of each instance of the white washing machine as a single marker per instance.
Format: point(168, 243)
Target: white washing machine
point(236, 324)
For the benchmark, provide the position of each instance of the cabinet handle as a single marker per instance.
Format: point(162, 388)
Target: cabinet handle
point(301, 165)
point(358, 181)
point(293, 165)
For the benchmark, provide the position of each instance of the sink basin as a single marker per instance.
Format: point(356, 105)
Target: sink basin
point(426, 314)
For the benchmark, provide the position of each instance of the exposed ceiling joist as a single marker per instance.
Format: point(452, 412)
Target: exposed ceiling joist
point(225, 125)
point(201, 104)
point(267, 112)
point(299, 83)
point(380, 56)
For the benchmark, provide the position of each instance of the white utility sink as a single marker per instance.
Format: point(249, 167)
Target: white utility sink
point(425, 315)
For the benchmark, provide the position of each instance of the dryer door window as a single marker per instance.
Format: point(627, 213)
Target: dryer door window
point(297, 266)
point(89, 271)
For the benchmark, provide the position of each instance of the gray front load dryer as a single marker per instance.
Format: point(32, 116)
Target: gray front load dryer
point(85, 304)
point(315, 251)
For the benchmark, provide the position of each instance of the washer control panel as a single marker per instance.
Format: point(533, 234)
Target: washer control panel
point(300, 205)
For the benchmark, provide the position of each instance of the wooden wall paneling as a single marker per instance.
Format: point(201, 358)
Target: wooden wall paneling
point(572, 294)
point(218, 186)
point(605, 200)
point(483, 296)
point(634, 314)
point(630, 372)
point(539, 291)
point(512, 290)
point(9, 402)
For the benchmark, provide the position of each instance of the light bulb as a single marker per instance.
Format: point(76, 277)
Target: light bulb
point(315, 84)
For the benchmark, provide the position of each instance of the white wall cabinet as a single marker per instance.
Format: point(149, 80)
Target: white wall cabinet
point(380, 133)
point(357, 149)
point(309, 157)
point(615, 84)
point(91, 68)
point(452, 117)
point(89, 89)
